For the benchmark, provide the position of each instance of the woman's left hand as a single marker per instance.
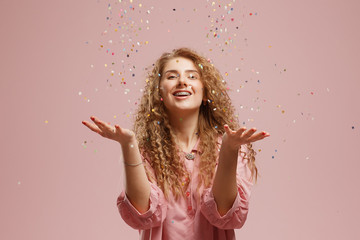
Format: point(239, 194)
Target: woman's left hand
point(234, 139)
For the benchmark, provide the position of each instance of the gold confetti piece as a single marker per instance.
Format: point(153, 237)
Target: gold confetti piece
point(282, 111)
point(46, 121)
point(105, 65)
point(114, 116)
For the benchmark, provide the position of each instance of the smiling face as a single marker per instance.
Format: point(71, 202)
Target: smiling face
point(180, 86)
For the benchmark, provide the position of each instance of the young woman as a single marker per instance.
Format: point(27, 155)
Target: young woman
point(189, 167)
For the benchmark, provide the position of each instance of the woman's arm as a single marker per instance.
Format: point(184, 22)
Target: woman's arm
point(224, 186)
point(137, 186)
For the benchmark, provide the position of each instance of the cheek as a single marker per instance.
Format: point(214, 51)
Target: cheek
point(164, 89)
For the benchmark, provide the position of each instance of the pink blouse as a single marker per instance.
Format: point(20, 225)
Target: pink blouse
point(194, 217)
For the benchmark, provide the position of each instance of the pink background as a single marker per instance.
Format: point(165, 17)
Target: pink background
point(292, 68)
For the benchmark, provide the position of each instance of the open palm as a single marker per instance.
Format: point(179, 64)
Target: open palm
point(234, 139)
point(115, 133)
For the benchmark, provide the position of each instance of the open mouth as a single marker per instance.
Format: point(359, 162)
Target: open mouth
point(182, 94)
point(182, 97)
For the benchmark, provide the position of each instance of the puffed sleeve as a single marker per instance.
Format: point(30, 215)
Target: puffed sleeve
point(236, 216)
point(152, 217)
point(149, 219)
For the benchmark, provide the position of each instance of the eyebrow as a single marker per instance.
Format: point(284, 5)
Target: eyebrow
point(175, 71)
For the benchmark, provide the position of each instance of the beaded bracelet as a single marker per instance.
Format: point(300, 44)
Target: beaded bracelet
point(133, 165)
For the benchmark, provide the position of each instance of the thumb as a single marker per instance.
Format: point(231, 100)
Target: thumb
point(227, 129)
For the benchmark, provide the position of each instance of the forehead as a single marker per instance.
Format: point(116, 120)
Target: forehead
point(179, 64)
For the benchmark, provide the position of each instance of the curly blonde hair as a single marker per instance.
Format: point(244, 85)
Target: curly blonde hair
point(157, 140)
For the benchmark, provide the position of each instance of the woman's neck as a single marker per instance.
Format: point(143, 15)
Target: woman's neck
point(185, 127)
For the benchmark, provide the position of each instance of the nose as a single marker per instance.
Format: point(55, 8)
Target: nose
point(182, 80)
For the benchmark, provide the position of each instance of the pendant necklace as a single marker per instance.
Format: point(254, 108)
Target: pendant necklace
point(189, 156)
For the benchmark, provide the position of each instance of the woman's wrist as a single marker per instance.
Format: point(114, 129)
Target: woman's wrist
point(132, 142)
point(225, 146)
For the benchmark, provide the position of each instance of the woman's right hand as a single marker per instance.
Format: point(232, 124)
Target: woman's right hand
point(115, 133)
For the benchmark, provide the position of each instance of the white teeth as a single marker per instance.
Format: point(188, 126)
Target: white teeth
point(182, 94)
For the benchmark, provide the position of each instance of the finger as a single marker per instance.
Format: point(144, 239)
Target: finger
point(250, 132)
point(92, 127)
point(240, 131)
point(258, 136)
point(227, 129)
point(117, 129)
point(123, 131)
point(109, 128)
point(102, 125)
